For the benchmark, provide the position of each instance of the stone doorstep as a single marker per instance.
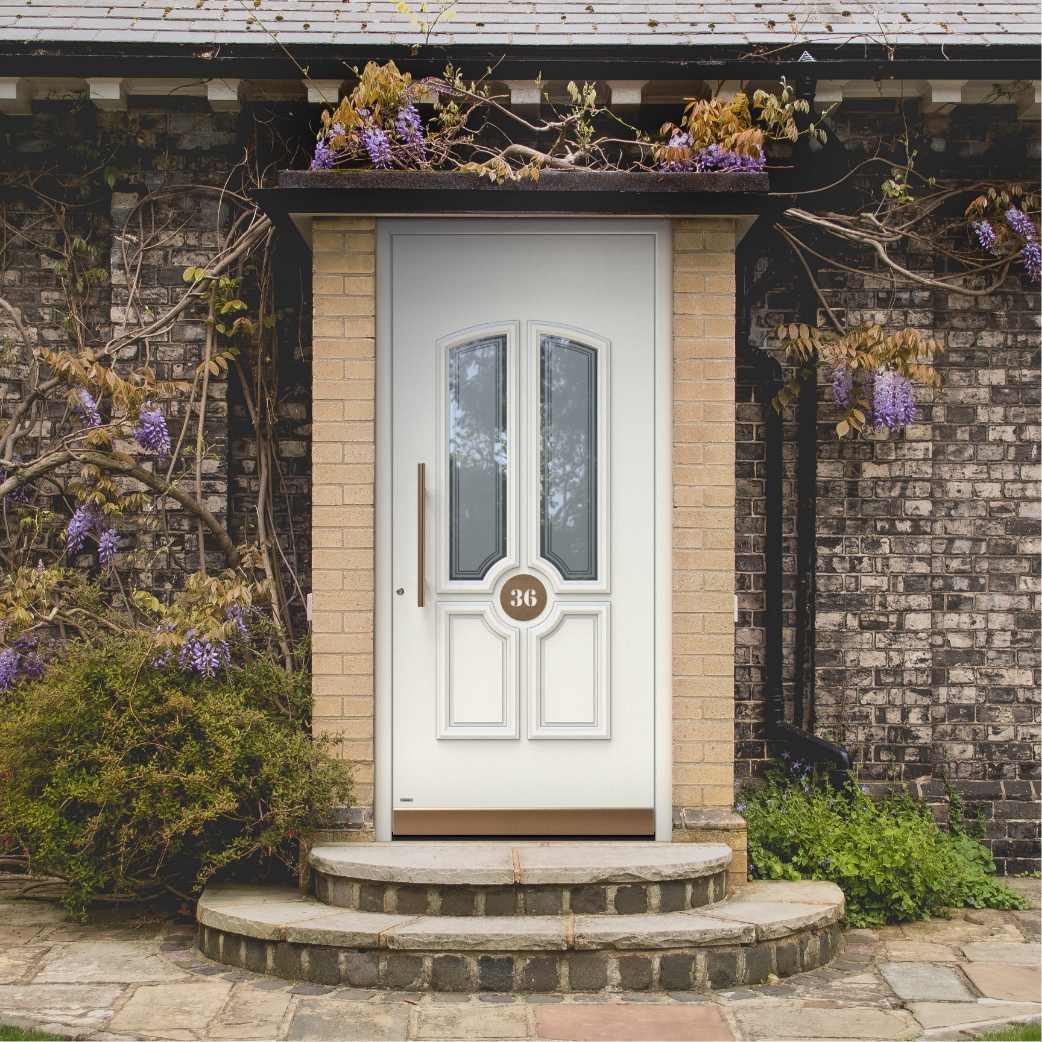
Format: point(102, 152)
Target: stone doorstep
point(507, 864)
point(756, 913)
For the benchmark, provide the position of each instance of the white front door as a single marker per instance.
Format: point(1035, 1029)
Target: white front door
point(523, 491)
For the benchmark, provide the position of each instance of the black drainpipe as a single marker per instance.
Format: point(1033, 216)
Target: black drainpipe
point(768, 372)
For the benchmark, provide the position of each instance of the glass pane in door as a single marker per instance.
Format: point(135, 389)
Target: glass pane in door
point(568, 477)
point(477, 457)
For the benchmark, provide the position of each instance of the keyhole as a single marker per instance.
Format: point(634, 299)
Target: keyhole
point(400, 590)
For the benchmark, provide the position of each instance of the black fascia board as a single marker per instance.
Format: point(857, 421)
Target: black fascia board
point(634, 61)
point(558, 193)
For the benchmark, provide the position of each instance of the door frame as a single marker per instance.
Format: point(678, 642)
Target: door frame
point(661, 229)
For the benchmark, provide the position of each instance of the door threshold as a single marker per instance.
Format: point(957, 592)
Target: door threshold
point(572, 822)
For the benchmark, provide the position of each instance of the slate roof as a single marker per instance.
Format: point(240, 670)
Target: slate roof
point(502, 23)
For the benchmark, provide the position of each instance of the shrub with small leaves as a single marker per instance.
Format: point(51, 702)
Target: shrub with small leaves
point(129, 780)
point(892, 861)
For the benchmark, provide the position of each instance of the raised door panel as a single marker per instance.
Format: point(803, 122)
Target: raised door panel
point(477, 675)
point(569, 674)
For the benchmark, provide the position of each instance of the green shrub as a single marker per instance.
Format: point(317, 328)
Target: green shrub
point(887, 854)
point(129, 779)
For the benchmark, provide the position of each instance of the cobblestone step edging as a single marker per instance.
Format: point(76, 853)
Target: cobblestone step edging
point(764, 929)
point(462, 900)
point(692, 969)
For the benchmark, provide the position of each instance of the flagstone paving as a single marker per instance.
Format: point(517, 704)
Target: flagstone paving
point(122, 977)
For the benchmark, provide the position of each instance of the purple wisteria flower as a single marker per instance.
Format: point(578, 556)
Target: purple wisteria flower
point(152, 435)
point(378, 147)
point(410, 129)
point(86, 408)
point(679, 140)
point(985, 234)
point(33, 666)
point(842, 386)
point(205, 656)
point(324, 156)
point(1031, 255)
point(1021, 223)
point(715, 158)
point(86, 519)
point(107, 546)
point(237, 614)
point(8, 669)
point(893, 403)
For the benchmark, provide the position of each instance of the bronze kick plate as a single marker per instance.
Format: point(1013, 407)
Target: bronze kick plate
point(599, 821)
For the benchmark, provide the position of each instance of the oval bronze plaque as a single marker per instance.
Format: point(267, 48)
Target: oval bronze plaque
point(523, 597)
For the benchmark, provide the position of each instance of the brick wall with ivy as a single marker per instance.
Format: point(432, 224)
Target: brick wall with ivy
point(183, 153)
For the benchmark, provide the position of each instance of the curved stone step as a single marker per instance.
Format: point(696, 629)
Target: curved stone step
point(504, 879)
point(764, 928)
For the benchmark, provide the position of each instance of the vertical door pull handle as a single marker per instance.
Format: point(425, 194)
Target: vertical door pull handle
point(420, 536)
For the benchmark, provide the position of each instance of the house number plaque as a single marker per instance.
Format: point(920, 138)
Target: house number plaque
point(523, 597)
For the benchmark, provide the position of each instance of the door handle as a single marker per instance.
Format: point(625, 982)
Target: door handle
point(420, 533)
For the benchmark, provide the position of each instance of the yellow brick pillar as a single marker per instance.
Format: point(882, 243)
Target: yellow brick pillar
point(343, 457)
point(703, 536)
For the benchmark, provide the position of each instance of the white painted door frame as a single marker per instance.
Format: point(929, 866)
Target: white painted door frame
point(663, 466)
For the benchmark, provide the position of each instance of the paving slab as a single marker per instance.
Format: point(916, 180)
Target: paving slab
point(918, 951)
point(806, 891)
point(77, 1005)
point(773, 919)
point(16, 962)
point(568, 864)
point(665, 930)
point(924, 982)
point(430, 864)
point(105, 961)
point(12, 935)
point(331, 1019)
point(345, 928)
point(260, 912)
point(251, 1013)
point(951, 1014)
point(1004, 953)
point(768, 1021)
point(176, 1011)
point(959, 931)
point(1007, 983)
point(483, 933)
point(478, 1022)
point(688, 1023)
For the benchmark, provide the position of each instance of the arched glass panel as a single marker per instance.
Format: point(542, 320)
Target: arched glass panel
point(477, 457)
point(568, 467)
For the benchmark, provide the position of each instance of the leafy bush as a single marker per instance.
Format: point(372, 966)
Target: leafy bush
point(887, 854)
point(129, 779)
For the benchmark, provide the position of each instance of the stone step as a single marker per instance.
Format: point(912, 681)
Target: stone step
point(518, 879)
point(763, 928)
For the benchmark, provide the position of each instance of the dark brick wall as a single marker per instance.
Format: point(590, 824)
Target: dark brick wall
point(926, 660)
point(186, 153)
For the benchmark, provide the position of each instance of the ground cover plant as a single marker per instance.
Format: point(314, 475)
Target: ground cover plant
point(887, 853)
point(1014, 1033)
point(130, 777)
